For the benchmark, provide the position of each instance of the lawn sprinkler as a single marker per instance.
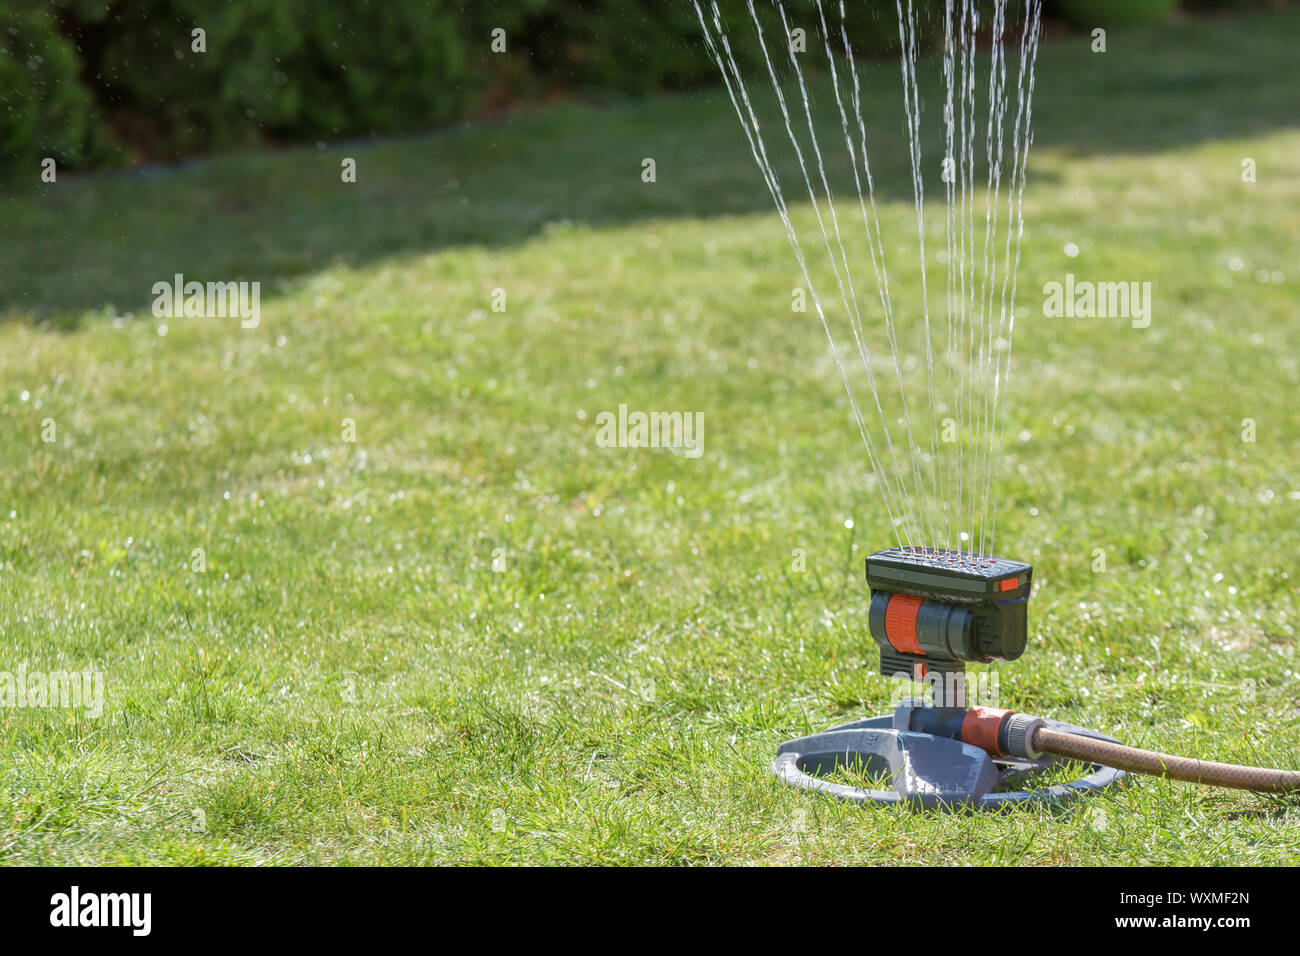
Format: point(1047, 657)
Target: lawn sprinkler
point(931, 611)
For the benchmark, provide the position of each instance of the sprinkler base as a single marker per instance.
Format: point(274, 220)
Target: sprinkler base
point(927, 771)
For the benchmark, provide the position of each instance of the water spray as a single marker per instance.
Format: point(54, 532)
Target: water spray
point(935, 607)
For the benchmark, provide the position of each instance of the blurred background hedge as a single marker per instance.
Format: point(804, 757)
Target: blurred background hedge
point(100, 82)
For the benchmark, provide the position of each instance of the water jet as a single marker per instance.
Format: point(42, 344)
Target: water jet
point(940, 598)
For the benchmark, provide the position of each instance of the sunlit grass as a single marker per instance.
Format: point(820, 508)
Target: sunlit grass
point(473, 635)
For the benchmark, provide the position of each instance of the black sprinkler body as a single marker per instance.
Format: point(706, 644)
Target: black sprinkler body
point(933, 609)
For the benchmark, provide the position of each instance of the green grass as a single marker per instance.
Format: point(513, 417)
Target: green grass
point(473, 635)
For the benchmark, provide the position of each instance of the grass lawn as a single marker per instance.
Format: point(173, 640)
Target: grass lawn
point(473, 635)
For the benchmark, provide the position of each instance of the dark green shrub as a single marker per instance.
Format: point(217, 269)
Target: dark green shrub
point(1234, 4)
point(1115, 13)
point(44, 109)
point(279, 69)
point(637, 46)
point(77, 75)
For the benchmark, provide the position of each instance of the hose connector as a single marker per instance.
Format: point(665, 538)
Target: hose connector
point(1019, 731)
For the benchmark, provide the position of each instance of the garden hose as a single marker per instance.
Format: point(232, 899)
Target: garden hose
point(1261, 779)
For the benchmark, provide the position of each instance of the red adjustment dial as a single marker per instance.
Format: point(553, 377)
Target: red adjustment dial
point(900, 623)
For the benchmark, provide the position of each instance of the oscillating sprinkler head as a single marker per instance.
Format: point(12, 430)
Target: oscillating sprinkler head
point(934, 609)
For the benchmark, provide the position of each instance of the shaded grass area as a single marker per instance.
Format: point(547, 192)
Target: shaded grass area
point(90, 244)
point(473, 635)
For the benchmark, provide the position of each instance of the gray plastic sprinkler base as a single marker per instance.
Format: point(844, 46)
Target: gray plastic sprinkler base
point(927, 772)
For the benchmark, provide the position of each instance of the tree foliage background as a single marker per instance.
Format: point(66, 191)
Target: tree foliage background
point(100, 82)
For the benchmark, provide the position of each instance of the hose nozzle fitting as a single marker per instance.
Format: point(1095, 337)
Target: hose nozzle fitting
point(1020, 730)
